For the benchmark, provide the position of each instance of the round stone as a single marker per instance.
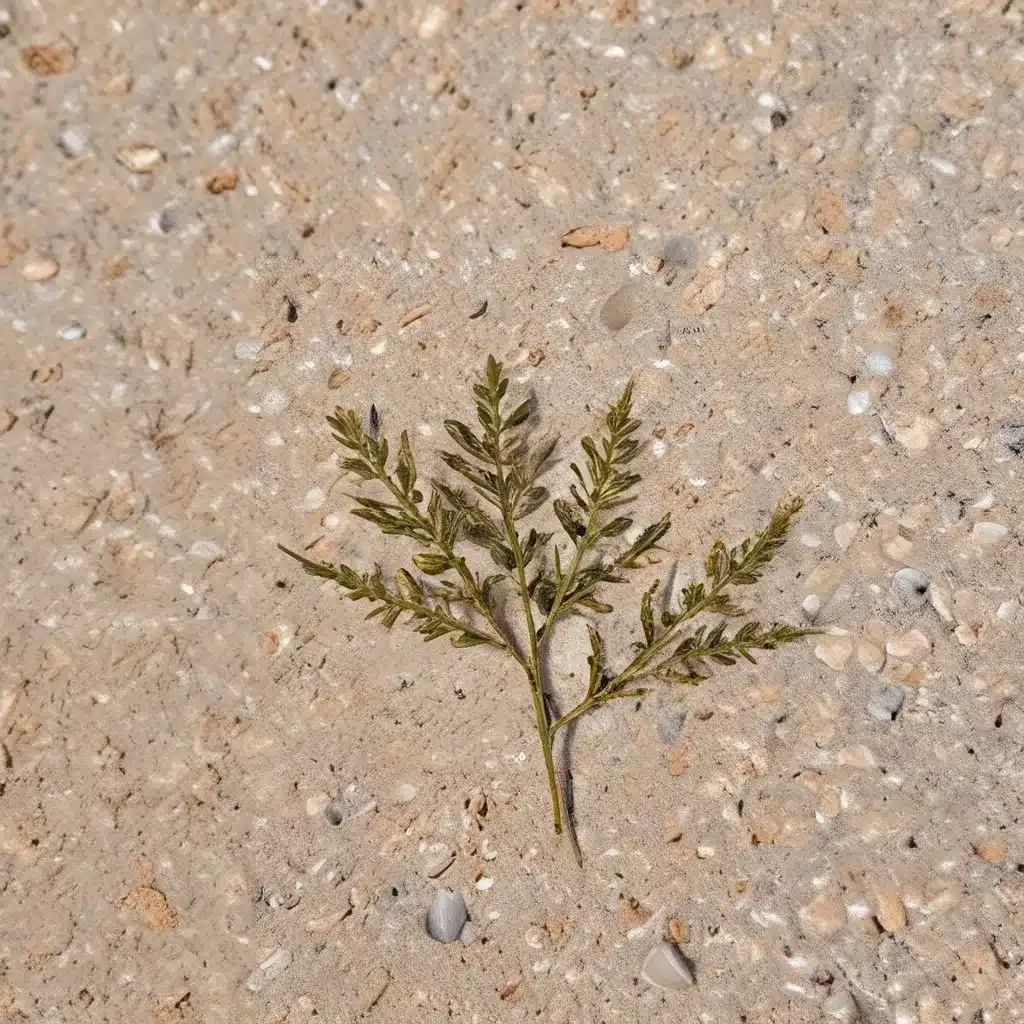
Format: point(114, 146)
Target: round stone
point(666, 967)
point(910, 588)
point(447, 916)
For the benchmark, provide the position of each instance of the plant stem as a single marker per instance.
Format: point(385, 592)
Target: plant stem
point(532, 668)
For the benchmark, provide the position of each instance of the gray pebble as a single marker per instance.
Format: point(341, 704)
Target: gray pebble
point(679, 250)
point(446, 916)
point(666, 967)
point(884, 705)
point(1011, 439)
point(73, 140)
point(617, 310)
point(910, 588)
point(669, 724)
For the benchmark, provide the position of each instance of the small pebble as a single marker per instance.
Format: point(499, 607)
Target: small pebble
point(885, 704)
point(447, 916)
point(989, 536)
point(404, 793)
point(617, 310)
point(435, 859)
point(275, 964)
point(910, 588)
point(1011, 439)
point(665, 967)
point(669, 725)
point(858, 402)
point(73, 332)
point(941, 599)
point(912, 646)
point(878, 364)
point(857, 756)
point(141, 158)
point(841, 1006)
point(40, 268)
point(835, 650)
point(846, 533)
point(889, 910)
point(73, 140)
point(992, 850)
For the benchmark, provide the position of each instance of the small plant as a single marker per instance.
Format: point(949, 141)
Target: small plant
point(550, 581)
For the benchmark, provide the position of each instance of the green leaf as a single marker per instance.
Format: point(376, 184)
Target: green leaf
point(466, 439)
point(595, 660)
point(406, 468)
point(531, 501)
point(430, 563)
point(647, 612)
point(569, 519)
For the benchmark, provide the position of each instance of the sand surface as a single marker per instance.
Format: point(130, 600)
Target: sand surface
point(222, 218)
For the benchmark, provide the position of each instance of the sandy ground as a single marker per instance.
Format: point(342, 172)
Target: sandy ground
point(216, 218)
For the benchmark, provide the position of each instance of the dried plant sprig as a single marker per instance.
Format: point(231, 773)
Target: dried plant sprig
point(501, 469)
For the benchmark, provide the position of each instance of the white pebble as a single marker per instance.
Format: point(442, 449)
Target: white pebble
point(73, 332)
point(878, 364)
point(73, 140)
point(314, 499)
point(858, 403)
point(207, 549)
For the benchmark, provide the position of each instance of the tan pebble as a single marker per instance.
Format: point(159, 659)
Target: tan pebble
point(857, 756)
point(846, 533)
point(898, 549)
point(828, 211)
point(916, 435)
point(367, 325)
point(678, 930)
point(40, 268)
point(49, 59)
point(823, 581)
point(140, 158)
point(889, 910)
point(941, 599)
point(678, 760)
point(835, 650)
point(416, 314)
point(996, 163)
point(992, 850)
point(989, 536)
point(115, 267)
point(870, 655)
point(705, 852)
point(119, 84)
point(703, 292)
point(912, 646)
point(223, 180)
point(632, 914)
point(336, 379)
point(672, 833)
point(7, 420)
point(908, 675)
point(611, 237)
point(151, 907)
point(713, 54)
point(826, 915)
